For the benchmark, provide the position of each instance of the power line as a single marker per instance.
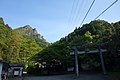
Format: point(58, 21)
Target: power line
point(84, 6)
point(75, 13)
point(106, 9)
point(78, 12)
point(87, 12)
point(71, 16)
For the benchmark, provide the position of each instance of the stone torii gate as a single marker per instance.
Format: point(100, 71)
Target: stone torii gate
point(98, 50)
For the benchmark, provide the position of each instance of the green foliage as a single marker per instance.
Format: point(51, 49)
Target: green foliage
point(16, 47)
point(9, 43)
point(100, 31)
point(96, 32)
point(57, 51)
point(29, 47)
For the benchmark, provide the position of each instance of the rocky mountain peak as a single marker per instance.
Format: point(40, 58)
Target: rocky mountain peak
point(27, 27)
point(28, 30)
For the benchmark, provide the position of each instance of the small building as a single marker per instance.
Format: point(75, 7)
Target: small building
point(17, 69)
point(4, 66)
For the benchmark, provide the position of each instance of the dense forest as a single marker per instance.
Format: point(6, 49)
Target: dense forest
point(58, 55)
point(18, 47)
point(36, 54)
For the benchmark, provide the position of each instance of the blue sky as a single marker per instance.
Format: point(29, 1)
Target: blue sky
point(55, 19)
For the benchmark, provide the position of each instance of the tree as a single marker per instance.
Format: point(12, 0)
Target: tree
point(29, 47)
point(9, 42)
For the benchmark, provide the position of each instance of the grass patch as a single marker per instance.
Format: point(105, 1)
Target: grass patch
point(114, 75)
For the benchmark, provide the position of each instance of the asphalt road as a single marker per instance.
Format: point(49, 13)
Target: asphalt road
point(70, 77)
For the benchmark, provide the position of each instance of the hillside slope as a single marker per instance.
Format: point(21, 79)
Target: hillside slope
point(27, 30)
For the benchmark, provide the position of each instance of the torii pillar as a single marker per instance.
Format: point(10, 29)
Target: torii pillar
point(76, 62)
point(102, 60)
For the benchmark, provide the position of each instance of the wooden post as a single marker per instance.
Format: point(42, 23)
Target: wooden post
point(101, 59)
point(76, 62)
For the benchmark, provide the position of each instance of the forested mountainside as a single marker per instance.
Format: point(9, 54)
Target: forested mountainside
point(19, 45)
point(25, 45)
point(95, 32)
point(27, 30)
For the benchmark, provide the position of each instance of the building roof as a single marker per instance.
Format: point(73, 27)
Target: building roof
point(16, 65)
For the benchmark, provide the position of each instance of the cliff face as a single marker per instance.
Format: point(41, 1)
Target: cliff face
point(28, 30)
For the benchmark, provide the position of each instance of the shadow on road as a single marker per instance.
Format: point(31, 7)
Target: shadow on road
point(68, 77)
